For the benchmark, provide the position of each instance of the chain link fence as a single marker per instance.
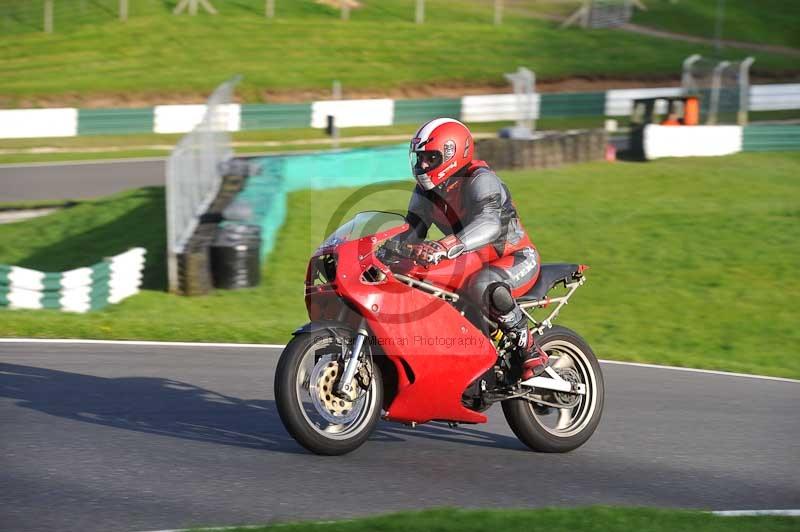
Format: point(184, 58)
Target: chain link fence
point(610, 13)
point(54, 16)
point(602, 13)
point(194, 172)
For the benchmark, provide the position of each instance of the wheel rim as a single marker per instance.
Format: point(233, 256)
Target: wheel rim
point(568, 360)
point(326, 414)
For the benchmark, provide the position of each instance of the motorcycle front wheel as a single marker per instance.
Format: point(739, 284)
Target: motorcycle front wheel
point(323, 423)
point(555, 422)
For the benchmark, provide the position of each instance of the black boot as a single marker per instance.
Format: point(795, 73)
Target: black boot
point(532, 359)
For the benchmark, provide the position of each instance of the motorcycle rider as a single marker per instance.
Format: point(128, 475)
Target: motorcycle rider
point(472, 207)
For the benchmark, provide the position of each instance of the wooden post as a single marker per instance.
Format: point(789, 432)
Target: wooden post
point(48, 16)
point(581, 16)
point(345, 10)
point(123, 10)
point(419, 15)
point(181, 7)
point(207, 6)
point(498, 12)
point(269, 8)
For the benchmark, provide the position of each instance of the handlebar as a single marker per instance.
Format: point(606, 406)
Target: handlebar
point(399, 249)
point(397, 256)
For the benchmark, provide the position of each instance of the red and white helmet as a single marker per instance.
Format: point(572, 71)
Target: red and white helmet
point(439, 149)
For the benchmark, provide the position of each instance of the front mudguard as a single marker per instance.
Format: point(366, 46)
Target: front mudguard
point(337, 328)
point(331, 326)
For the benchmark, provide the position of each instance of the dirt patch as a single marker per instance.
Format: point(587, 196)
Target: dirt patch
point(13, 216)
point(352, 4)
point(431, 90)
point(102, 100)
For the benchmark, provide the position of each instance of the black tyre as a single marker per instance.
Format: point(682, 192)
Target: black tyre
point(318, 420)
point(567, 426)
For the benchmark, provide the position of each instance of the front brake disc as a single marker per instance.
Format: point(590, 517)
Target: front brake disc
point(332, 408)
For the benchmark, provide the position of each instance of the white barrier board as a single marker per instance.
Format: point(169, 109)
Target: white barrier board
point(775, 97)
point(183, 118)
point(493, 107)
point(691, 141)
point(353, 113)
point(23, 123)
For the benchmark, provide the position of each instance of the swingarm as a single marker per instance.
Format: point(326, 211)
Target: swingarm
point(555, 383)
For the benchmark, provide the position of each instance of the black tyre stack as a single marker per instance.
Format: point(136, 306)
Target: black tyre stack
point(196, 275)
point(236, 256)
point(545, 151)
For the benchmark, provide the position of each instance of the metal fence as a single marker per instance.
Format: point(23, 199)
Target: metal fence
point(771, 137)
point(31, 123)
point(193, 171)
point(610, 13)
point(28, 16)
point(723, 87)
point(602, 13)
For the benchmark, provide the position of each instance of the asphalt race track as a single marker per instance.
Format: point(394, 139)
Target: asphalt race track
point(64, 181)
point(130, 438)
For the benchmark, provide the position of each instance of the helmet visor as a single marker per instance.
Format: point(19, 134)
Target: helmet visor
point(423, 162)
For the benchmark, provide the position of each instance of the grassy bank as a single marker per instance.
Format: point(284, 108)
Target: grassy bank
point(595, 519)
point(156, 56)
point(691, 261)
point(764, 21)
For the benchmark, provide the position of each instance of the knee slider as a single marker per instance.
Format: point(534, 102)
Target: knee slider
point(499, 297)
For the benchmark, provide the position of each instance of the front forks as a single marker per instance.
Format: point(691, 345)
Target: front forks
point(344, 387)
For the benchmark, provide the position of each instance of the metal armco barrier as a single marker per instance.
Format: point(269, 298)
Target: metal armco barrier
point(80, 290)
point(69, 122)
point(778, 137)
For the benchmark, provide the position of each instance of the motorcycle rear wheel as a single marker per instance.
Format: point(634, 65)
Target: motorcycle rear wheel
point(317, 420)
point(560, 430)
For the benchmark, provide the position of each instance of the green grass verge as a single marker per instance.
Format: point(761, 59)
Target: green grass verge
point(306, 47)
point(762, 21)
point(593, 519)
point(691, 261)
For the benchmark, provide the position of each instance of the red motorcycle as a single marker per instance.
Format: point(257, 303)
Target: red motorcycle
point(390, 336)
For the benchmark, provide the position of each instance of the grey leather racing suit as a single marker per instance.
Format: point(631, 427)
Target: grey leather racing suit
point(476, 206)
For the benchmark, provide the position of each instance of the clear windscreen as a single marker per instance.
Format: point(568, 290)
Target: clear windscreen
point(364, 224)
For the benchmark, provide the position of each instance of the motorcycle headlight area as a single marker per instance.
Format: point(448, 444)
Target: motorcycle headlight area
point(323, 269)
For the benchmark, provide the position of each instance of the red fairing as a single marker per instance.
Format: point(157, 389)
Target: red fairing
point(444, 351)
point(450, 274)
point(409, 321)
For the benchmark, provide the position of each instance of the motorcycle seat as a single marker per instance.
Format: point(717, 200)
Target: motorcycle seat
point(549, 276)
